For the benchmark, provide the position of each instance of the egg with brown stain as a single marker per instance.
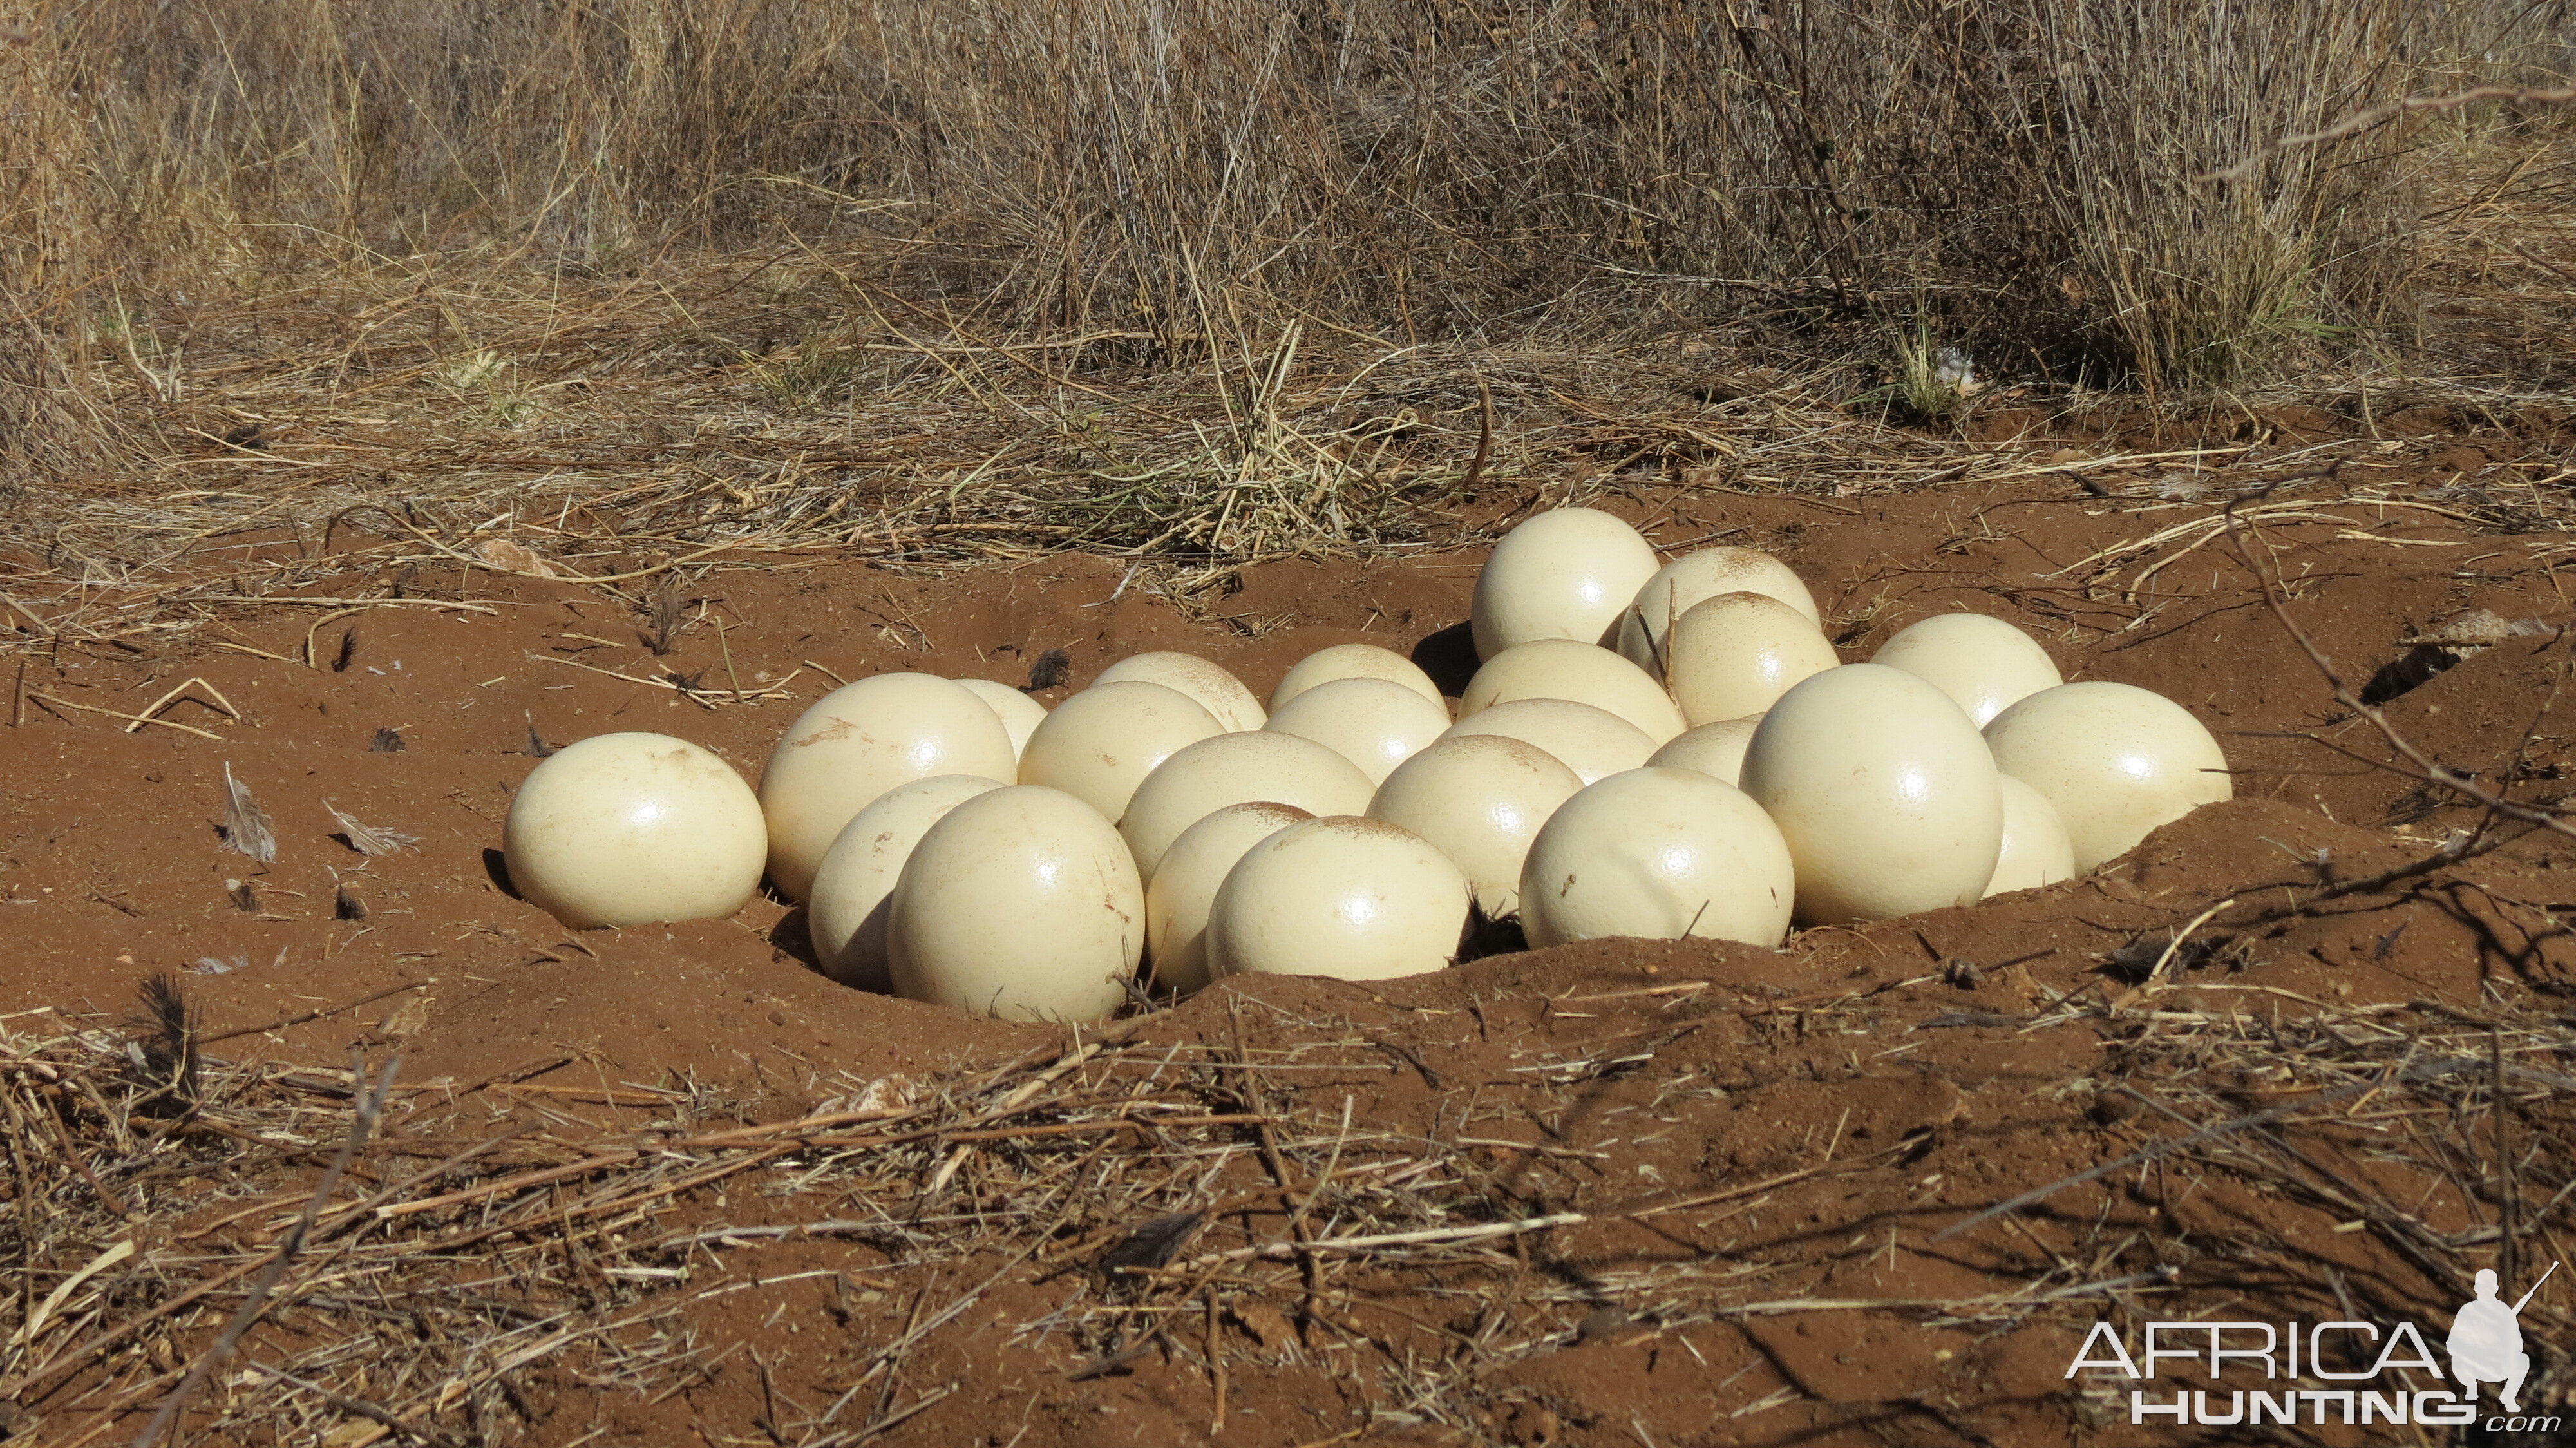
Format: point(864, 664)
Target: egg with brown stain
point(1184, 888)
point(1215, 688)
point(856, 743)
point(1694, 577)
point(846, 919)
point(1734, 654)
point(633, 829)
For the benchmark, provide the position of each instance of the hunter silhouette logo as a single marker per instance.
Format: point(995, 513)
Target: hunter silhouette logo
point(2486, 1342)
point(2296, 1373)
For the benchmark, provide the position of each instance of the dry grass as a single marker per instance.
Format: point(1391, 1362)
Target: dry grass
point(1192, 1196)
point(292, 298)
point(1131, 184)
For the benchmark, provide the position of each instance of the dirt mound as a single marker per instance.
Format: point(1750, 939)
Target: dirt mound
point(641, 1185)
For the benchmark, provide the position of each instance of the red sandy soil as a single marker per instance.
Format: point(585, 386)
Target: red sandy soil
point(112, 868)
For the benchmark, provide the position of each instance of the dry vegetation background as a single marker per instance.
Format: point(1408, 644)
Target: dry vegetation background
point(1063, 274)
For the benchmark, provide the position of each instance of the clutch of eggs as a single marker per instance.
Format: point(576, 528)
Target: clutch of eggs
point(1652, 748)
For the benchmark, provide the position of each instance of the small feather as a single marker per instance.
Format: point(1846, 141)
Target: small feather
point(1152, 1243)
point(167, 1053)
point(368, 841)
point(246, 825)
point(1049, 670)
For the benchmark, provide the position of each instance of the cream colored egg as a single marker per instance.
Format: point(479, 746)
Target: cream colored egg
point(1659, 853)
point(2115, 760)
point(1100, 744)
point(629, 829)
point(1020, 714)
point(1183, 889)
point(1883, 790)
point(1565, 669)
point(1217, 690)
point(1353, 661)
point(2036, 851)
point(846, 918)
point(1374, 723)
point(1716, 750)
point(1229, 769)
point(1591, 741)
point(856, 743)
point(1734, 654)
point(1560, 575)
point(1347, 897)
point(1687, 580)
point(1022, 903)
point(1984, 664)
point(1479, 799)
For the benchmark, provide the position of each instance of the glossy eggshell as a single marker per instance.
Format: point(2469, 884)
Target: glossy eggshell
point(1658, 853)
point(1478, 799)
point(846, 918)
point(1561, 575)
point(1184, 888)
point(1020, 714)
point(1734, 654)
point(1353, 661)
point(1374, 723)
point(1022, 903)
point(1229, 769)
point(1984, 664)
point(1347, 897)
point(1215, 688)
point(1716, 750)
point(1883, 790)
point(1687, 580)
point(2036, 850)
point(856, 743)
point(1100, 744)
point(2115, 760)
point(1585, 673)
point(629, 829)
point(1593, 742)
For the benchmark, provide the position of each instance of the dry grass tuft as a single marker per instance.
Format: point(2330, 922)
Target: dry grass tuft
point(1022, 186)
